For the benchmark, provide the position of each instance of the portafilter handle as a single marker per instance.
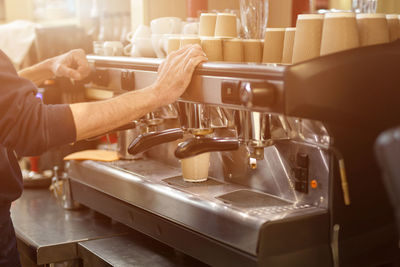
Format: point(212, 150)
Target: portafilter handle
point(148, 140)
point(199, 145)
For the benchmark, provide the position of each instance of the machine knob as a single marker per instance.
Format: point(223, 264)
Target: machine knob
point(257, 94)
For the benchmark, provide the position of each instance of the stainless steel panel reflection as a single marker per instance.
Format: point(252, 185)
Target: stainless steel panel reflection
point(142, 184)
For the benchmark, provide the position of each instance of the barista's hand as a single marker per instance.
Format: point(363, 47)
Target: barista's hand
point(175, 73)
point(72, 64)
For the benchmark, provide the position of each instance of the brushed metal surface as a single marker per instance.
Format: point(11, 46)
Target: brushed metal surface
point(132, 250)
point(198, 208)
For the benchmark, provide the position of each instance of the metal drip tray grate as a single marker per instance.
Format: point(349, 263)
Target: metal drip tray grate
point(179, 182)
point(276, 210)
point(251, 199)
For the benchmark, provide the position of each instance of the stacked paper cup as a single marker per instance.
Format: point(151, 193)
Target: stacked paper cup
point(273, 45)
point(288, 45)
point(307, 42)
point(394, 27)
point(318, 35)
point(216, 32)
point(339, 33)
point(373, 29)
point(315, 35)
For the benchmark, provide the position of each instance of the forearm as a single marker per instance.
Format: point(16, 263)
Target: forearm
point(95, 118)
point(37, 73)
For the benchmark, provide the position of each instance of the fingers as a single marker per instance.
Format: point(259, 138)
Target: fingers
point(193, 63)
point(180, 51)
point(72, 65)
point(65, 71)
point(79, 57)
point(185, 50)
point(193, 53)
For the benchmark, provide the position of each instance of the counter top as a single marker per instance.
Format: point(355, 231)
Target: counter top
point(47, 233)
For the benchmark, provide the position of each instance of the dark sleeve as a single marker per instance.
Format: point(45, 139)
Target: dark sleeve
point(26, 124)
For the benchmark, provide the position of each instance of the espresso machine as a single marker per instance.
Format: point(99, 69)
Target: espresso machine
point(292, 179)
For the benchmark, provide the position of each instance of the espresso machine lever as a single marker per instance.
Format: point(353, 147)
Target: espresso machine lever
point(199, 145)
point(146, 141)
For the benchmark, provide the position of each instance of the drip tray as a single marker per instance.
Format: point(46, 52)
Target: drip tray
point(179, 182)
point(251, 199)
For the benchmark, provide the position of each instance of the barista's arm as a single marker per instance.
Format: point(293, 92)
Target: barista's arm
point(72, 64)
point(174, 75)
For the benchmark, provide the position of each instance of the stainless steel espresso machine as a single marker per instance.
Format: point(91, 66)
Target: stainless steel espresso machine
point(292, 179)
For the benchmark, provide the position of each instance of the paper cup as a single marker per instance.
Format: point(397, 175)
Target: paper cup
point(307, 41)
point(195, 169)
point(252, 50)
point(398, 33)
point(233, 50)
point(339, 33)
point(273, 45)
point(207, 24)
point(373, 29)
point(213, 48)
point(186, 40)
point(226, 26)
point(173, 44)
point(288, 45)
point(394, 26)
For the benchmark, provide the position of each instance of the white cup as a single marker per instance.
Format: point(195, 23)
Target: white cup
point(141, 47)
point(191, 28)
point(113, 48)
point(141, 31)
point(131, 50)
point(158, 45)
point(166, 25)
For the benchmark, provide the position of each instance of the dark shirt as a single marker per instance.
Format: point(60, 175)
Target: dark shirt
point(27, 127)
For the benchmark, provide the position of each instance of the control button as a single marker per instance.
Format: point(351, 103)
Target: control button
point(314, 184)
point(301, 174)
point(101, 77)
point(230, 92)
point(302, 160)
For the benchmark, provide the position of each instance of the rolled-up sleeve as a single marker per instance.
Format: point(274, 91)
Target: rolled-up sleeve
point(26, 124)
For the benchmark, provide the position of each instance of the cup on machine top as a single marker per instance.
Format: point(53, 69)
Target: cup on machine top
point(186, 40)
point(233, 50)
point(212, 47)
point(339, 33)
point(173, 43)
point(394, 26)
point(273, 45)
point(252, 50)
point(207, 24)
point(307, 41)
point(288, 45)
point(398, 33)
point(373, 29)
point(226, 26)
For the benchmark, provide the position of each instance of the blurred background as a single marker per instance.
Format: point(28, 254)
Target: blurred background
point(45, 28)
